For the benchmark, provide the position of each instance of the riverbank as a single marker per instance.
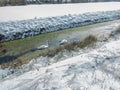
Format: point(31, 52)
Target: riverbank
point(23, 49)
point(96, 68)
point(25, 28)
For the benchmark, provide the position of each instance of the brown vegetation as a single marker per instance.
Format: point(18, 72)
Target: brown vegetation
point(3, 49)
point(70, 46)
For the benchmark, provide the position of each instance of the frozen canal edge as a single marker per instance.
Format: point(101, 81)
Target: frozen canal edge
point(24, 28)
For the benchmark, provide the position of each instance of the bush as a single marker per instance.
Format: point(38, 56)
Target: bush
point(88, 40)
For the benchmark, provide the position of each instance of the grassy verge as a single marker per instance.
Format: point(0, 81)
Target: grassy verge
point(71, 46)
point(17, 47)
point(52, 52)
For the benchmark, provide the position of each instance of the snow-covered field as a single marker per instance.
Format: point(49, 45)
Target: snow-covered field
point(97, 69)
point(65, 16)
point(32, 11)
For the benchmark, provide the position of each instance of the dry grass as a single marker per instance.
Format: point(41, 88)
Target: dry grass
point(1, 46)
point(88, 40)
point(3, 49)
point(70, 46)
point(14, 64)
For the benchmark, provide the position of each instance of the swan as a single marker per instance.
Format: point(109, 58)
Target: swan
point(43, 46)
point(64, 41)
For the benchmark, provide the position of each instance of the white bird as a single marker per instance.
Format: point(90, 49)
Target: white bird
point(43, 46)
point(64, 41)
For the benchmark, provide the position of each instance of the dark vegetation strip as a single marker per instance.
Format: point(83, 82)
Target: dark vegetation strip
point(9, 58)
point(71, 46)
point(27, 2)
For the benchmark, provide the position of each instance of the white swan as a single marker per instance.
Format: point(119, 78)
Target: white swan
point(64, 41)
point(43, 46)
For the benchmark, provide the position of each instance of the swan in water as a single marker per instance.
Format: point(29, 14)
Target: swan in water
point(64, 41)
point(43, 46)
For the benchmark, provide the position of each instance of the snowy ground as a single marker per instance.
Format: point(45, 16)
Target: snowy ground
point(59, 17)
point(97, 69)
point(32, 11)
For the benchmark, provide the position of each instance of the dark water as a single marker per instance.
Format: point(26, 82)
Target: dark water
point(7, 59)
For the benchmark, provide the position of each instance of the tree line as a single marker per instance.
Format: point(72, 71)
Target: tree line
point(24, 2)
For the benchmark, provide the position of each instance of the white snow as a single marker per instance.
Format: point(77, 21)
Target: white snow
point(24, 28)
point(98, 69)
point(37, 11)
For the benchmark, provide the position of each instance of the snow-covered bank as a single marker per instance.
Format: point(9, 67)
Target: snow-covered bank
point(21, 29)
point(98, 69)
point(32, 11)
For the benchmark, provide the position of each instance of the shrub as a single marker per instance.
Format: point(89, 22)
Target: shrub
point(69, 46)
point(51, 52)
point(88, 40)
